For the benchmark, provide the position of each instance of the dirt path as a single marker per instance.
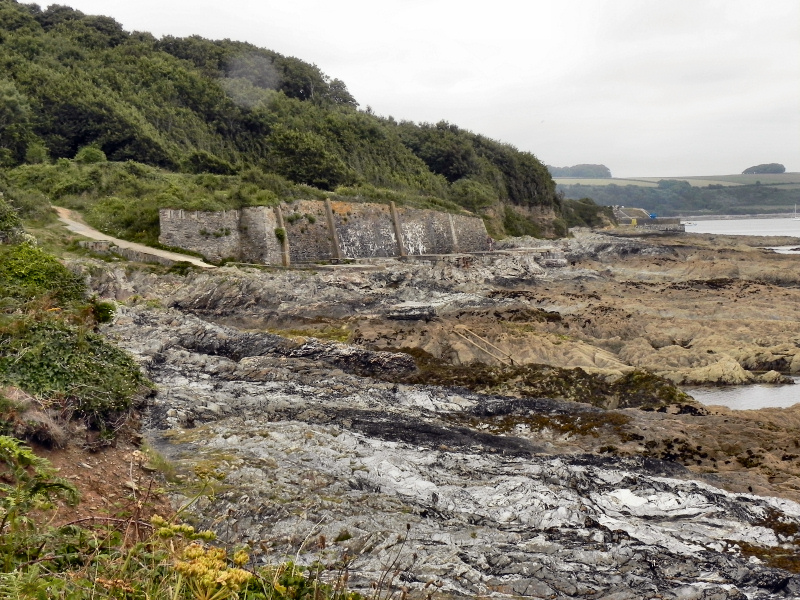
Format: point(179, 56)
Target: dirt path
point(70, 219)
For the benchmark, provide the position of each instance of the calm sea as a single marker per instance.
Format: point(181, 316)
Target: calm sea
point(781, 226)
point(750, 396)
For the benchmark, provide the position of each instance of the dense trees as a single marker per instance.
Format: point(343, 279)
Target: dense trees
point(765, 168)
point(457, 154)
point(75, 85)
point(588, 171)
point(15, 127)
point(675, 197)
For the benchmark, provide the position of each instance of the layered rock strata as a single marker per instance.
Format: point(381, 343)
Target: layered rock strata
point(309, 448)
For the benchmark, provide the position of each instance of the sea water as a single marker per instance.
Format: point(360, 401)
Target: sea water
point(749, 396)
point(745, 397)
point(764, 227)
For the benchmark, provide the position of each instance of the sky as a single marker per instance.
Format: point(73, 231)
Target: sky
point(647, 87)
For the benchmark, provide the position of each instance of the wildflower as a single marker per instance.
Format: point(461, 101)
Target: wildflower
point(241, 558)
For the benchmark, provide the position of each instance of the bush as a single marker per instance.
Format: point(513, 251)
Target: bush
point(27, 272)
point(29, 205)
point(472, 195)
point(89, 155)
point(37, 153)
point(78, 369)
point(516, 224)
point(48, 351)
point(10, 226)
point(201, 161)
point(585, 213)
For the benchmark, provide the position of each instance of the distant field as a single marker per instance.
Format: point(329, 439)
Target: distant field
point(765, 179)
point(698, 181)
point(603, 181)
point(783, 180)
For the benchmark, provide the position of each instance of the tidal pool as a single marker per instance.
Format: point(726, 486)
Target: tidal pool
point(748, 397)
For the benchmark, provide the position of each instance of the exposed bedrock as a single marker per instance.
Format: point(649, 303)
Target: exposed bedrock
point(290, 384)
point(513, 497)
point(662, 305)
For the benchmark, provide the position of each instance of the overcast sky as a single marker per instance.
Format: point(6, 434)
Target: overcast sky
point(646, 87)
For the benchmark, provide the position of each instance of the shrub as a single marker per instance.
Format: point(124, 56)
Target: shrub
point(472, 195)
point(201, 161)
point(27, 484)
point(10, 226)
point(30, 205)
point(27, 272)
point(90, 155)
point(62, 362)
point(516, 224)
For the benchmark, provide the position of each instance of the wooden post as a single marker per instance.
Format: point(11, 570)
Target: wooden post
point(453, 233)
point(334, 237)
point(285, 257)
point(398, 230)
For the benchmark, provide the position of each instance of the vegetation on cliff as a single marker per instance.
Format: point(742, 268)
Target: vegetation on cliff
point(674, 197)
point(54, 371)
point(184, 114)
point(48, 347)
point(592, 171)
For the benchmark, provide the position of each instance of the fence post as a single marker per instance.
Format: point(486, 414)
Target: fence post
point(334, 237)
point(284, 240)
point(398, 229)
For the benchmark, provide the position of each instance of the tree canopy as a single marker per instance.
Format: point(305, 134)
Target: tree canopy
point(584, 170)
point(77, 86)
point(765, 168)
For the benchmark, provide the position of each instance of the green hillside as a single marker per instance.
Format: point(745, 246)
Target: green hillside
point(698, 195)
point(118, 123)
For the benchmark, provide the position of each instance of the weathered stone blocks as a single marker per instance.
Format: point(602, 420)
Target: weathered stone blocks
point(360, 230)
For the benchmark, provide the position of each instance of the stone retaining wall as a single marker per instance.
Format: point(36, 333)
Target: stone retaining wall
point(359, 230)
point(215, 235)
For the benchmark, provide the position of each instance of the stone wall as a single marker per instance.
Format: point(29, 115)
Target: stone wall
point(307, 231)
point(215, 235)
point(360, 230)
point(257, 230)
point(471, 233)
point(364, 230)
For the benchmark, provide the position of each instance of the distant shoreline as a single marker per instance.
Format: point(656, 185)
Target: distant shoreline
point(732, 217)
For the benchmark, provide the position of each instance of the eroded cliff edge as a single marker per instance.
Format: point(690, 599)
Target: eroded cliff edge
point(505, 493)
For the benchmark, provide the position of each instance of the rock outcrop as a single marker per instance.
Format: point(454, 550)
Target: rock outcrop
point(483, 495)
point(667, 307)
point(504, 494)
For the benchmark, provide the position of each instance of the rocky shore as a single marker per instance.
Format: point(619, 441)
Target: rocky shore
point(287, 391)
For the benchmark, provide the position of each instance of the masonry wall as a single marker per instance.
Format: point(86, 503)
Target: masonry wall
point(215, 235)
point(259, 244)
point(362, 230)
point(426, 232)
point(307, 231)
point(472, 234)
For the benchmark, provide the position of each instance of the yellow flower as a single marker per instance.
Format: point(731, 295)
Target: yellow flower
point(241, 558)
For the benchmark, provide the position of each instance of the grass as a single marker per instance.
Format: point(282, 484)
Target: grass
point(602, 181)
point(132, 558)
